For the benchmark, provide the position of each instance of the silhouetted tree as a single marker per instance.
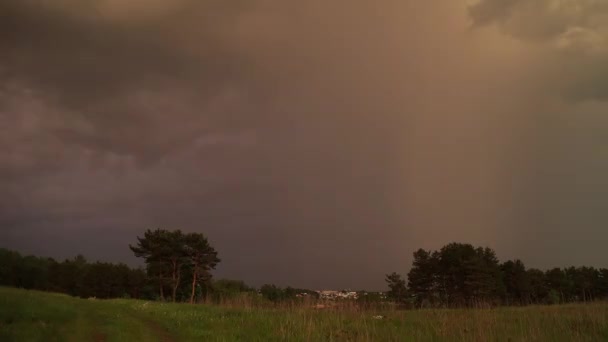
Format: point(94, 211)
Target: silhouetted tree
point(76, 276)
point(227, 288)
point(153, 249)
point(164, 253)
point(369, 299)
point(397, 288)
point(557, 281)
point(201, 257)
point(583, 282)
point(9, 261)
point(602, 283)
point(468, 275)
point(423, 277)
point(517, 282)
point(169, 254)
point(271, 292)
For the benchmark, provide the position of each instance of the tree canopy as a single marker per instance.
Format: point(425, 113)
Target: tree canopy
point(463, 275)
point(169, 255)
point(181, 264)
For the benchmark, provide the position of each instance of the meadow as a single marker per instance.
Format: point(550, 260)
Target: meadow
point(39, 316)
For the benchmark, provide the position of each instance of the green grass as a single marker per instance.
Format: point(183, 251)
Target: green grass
point(37, 316)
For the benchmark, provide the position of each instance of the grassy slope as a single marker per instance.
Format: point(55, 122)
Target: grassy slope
point(35, 316)
point(38, 316)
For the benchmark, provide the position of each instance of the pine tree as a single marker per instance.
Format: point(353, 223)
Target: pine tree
point(201, 257)
point(422, 278)
point(397, 288)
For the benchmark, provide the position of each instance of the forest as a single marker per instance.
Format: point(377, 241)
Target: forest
point(463, 275)
point(178, 267)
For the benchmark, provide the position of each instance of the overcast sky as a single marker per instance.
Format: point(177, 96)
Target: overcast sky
point(316, 143)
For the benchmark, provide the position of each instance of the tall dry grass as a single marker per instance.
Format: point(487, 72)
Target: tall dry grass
point(318, 320)
point(27, 314)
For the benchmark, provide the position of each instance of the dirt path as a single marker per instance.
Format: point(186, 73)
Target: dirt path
point(162, 333)
point(99, 337)
point(124, 323)
point(91, 320)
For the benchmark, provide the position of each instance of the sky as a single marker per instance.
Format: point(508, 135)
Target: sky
point(316, 143)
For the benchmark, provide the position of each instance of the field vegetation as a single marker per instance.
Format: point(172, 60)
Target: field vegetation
point(459, 292)
point(40, 316)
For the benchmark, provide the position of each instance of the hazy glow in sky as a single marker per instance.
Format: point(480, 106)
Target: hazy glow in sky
point(317, 144)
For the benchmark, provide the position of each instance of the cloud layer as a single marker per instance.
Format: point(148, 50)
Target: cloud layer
point(297, 134)
point(573, 33)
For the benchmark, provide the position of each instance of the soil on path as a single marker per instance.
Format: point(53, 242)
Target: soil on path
point(160, 332)
point(99, 337)
point(154, 329)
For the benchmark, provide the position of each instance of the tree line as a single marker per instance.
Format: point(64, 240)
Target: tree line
point(81, 278)
point(463, 275)
point(178, 267)
point(275, 293)
point(76, 276)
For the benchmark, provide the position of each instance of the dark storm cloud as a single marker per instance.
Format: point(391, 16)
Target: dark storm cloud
point(564, 166)
point(316, 143)
point(537, 20)
point(118, 117)
point(573, 35)
point(113, 78)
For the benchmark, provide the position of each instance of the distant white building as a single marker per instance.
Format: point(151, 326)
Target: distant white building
point(332, 295)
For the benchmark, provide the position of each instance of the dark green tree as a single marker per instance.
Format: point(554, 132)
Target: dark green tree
point(75, 277)
point(465, 275)
point(538, 285)
point(423, 277)
point(154, 252)
point(168, 254)
point(397, 288)
point(227, 289)
point(272, 292)
point(174, 251)
point(461, 274)
point(584, 282)
point(516, 282)
point(602, 283)
point(201, 258)
point(557, 281)
point(164, 253)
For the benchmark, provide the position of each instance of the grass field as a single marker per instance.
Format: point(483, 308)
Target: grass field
point(38, 316)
